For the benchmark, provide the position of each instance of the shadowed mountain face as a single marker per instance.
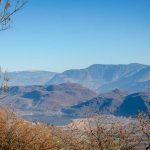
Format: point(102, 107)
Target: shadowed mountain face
point(48, 98)
point(117, 102)
point(26, 78)
point(105, 103)
point(135, 103)
point(103, 78)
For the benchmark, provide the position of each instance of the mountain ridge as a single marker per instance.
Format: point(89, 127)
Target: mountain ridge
point(102, 78)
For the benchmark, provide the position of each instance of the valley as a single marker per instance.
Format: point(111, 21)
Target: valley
point(60, 103)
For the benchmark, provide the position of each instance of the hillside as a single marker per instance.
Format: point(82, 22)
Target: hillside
point(117, 102)
point(135, 103)
point(110, 131)
point(45, 98)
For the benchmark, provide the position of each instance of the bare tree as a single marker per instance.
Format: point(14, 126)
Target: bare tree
point(7, 9)
point(144, 121)
point(4, 82)
point(99, 133)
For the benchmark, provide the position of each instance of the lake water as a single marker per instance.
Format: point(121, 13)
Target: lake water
point(58, 120)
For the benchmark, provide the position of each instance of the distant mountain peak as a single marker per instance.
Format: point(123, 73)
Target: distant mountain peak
point(105, 77)
point(111, 65)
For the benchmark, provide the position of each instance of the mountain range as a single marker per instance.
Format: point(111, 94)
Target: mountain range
point(71, 99)
point(102, 78)
point(99, 77)
point(73, 91)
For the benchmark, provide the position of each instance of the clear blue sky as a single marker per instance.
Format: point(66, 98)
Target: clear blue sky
point(61, 34)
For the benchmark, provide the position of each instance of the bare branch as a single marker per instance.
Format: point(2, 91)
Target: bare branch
point(7, 9)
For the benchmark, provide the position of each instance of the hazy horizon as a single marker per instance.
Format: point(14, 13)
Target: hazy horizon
point(84, 67)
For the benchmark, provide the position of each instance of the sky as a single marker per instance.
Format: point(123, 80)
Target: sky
point(58, 35)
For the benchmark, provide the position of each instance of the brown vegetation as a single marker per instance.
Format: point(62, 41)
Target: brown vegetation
point(86, 134)
point(17, 134)
point(144, 121)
